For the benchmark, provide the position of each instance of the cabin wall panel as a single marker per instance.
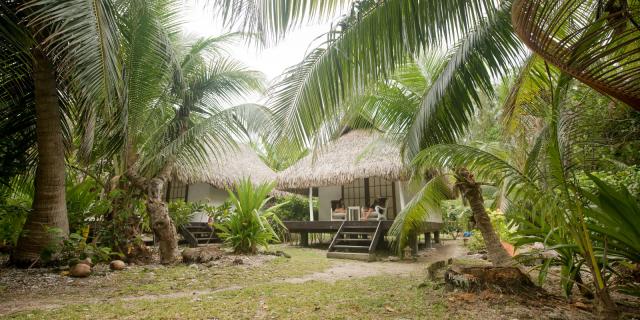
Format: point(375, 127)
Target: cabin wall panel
point(325, 196)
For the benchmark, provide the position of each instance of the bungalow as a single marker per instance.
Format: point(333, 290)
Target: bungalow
point(209, 184)
point(362, 184)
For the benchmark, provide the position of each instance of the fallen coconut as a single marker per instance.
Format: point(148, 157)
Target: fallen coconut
point(117, 265)
point(80, 270)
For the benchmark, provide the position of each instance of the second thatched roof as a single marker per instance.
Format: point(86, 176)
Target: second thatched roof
point(356, 154)
point(225, 171)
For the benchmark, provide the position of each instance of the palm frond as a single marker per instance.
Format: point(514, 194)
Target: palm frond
point(269, 21)
point(423, 205)
point(596, 44)
point(490, 50)
point(369, 48)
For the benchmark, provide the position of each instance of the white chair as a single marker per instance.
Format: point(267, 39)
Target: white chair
point(379, 210)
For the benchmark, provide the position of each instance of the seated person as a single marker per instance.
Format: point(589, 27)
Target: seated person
point(378, 202)
point(337, 209)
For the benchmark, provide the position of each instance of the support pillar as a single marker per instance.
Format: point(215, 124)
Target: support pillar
point(304, 239)
point(436, 237)
point(413, 244)
point(427, 240)
point(311, 204)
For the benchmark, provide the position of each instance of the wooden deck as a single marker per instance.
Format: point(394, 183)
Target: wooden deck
point(333, 226)
point(304, 228)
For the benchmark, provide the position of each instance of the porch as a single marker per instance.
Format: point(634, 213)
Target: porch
point(372, 231)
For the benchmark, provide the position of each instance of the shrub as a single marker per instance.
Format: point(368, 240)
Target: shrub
point(75, 247)
point(180, 212)
point(294, 208)
point(456, 219)
point(628, 177)
point(13, 215)
point(249, 222)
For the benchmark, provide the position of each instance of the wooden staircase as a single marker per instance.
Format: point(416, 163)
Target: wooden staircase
point(198, 233)
point(356, 240)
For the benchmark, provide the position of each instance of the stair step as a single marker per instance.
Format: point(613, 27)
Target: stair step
point(346, 246)
point(357, 232)
point(354, 240)
point(202, 234)
point(351, 255)
point(198, 229)
point(359, 227)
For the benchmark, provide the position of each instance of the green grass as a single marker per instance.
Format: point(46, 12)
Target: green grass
point(370, 298)
point(141, 281)
point(253, 292)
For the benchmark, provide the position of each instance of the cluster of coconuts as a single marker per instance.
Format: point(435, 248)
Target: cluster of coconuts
point(82, 268)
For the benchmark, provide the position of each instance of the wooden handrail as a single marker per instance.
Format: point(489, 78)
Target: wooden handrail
point(335, 237)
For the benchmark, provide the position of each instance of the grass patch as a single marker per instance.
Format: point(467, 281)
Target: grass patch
point(374, 297)
point(141, 281)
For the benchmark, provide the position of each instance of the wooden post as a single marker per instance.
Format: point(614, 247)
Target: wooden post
point(436, 237)
point(310, 203)
point(427, 240)
point(304, 239)
point(401, 194)
point(413, 244)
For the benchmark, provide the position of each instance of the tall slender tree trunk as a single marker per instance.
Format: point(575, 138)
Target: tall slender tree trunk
point(472, 192)
point(49, 209)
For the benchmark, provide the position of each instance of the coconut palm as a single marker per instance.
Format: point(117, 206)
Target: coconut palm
point(545, 185)
point(378, 36)
point(175, 113)
point(44, 72)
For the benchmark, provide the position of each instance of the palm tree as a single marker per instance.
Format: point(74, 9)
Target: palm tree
point(43, 64)
point(175, 113)
point(545, 184)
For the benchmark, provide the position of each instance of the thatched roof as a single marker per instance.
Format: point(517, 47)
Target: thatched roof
point(225, 171)
point(356, 154)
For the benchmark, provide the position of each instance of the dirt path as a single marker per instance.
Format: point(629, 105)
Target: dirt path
point(341, 270)
point(348, 269)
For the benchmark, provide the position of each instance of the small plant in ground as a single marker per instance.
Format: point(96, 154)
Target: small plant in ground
point(249, 223)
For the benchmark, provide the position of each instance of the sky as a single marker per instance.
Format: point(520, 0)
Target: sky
point(271, 61)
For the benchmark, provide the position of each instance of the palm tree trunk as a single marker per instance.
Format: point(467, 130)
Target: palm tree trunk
point(161, 223)
point(472, 192)
point(49, 209)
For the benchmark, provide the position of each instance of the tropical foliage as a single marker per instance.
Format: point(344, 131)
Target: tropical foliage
point(249, 224)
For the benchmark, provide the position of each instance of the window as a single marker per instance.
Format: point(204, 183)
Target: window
point(362, 192)
point(177, 190)
point(353, 194)
point(382, 188)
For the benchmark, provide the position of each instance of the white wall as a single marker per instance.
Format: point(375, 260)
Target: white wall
point(325, 196)
point(205, 193)
point(409, 190)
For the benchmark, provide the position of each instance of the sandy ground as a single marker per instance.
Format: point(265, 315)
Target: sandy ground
point(23, 281)
point(349, 269)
